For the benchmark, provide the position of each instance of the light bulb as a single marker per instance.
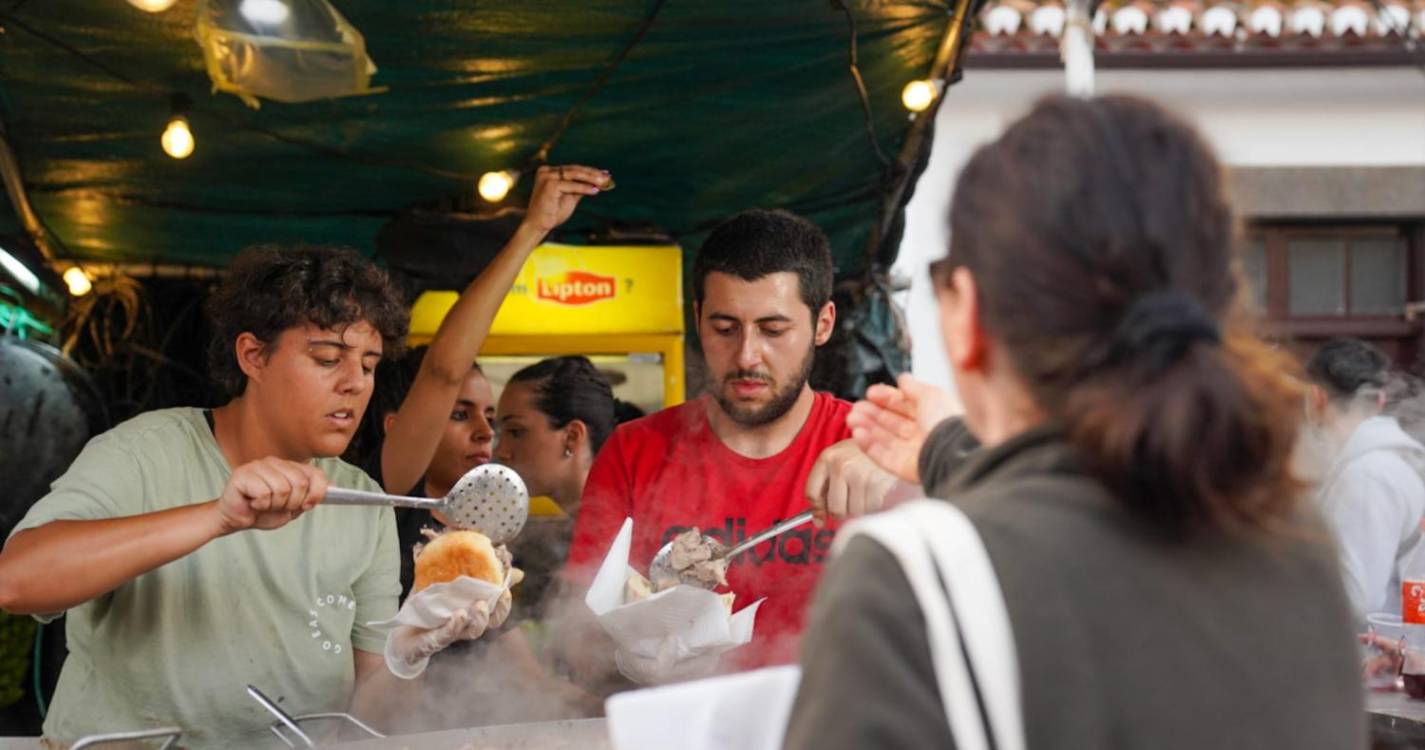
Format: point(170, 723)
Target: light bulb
point(177, 139)
point(19, 271)
point(494, 186)
point(270, 12)
point(77, 281)
point(153, 6)
point(918, 95)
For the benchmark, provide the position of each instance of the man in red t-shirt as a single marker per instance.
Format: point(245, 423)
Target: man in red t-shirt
point(737, 460)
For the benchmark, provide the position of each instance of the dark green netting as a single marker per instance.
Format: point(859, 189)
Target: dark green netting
point(722, 106)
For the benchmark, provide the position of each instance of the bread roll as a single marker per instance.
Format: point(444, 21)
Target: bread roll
point(458, 553)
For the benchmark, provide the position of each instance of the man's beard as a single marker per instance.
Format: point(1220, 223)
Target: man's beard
point(782, 400)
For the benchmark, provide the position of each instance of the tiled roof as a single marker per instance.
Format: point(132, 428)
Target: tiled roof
point(1008, 26)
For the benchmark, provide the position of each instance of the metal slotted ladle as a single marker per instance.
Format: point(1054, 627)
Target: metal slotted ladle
point(490, 498)
point(661, 569)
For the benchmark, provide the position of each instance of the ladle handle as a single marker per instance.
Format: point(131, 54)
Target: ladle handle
point(342, 496)
point(787, 525)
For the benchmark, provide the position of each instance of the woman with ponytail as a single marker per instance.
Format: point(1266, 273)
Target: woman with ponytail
point(553, 418)
point(1126, 561)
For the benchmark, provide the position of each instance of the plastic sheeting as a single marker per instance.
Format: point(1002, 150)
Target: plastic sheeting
point(284, 50)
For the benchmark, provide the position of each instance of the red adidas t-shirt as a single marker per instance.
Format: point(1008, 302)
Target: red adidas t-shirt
point(669, 472)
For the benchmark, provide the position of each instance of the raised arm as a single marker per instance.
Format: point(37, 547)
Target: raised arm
point(415, 431)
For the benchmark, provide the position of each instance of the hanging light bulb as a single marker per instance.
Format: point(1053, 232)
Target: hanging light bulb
point(153, 6)
point(19, 271)
point(270, 12)
point(177, 139)
point(494, 186)
point(77, 281)
point(917, 96)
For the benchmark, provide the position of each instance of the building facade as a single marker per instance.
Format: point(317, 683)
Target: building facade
point(1316, 110)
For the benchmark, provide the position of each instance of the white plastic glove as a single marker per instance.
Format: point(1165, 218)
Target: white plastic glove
point(408, 648)
point(502, 608)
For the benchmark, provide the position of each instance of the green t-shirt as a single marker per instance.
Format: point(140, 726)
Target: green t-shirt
point(281, 610)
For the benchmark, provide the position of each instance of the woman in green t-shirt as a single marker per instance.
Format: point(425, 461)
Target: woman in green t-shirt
point(148, 542)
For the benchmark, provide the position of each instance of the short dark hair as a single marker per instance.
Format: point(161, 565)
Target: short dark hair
point(570, 388)
point(271, 288)
point(757, 243)
point(1344, 366)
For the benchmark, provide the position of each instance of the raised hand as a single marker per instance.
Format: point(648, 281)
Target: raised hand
point(891, 424)
point(557, 192)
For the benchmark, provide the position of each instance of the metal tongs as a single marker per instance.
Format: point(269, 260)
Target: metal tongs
point(490, 498)
point(661, 569)
point(170, 735)
point(293, 723)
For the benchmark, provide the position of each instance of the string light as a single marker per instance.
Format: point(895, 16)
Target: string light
point(917, 96)
point(177, 139)
point(19, 271)
point(77, 281)
point(270, 12)
point(494, 186)
point(153, 6)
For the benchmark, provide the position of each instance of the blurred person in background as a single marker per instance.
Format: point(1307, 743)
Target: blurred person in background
point(1405, 400)
point(189, 547)
point(1372, 494)
point(554, 416)
point(1141, 553)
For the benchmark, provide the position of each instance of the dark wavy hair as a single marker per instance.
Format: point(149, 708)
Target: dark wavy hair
point(1104, 251)
point(1345, 367)
point(570, 388)
point(271, 288)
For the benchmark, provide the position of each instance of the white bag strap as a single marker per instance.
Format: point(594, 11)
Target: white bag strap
point(967, 624)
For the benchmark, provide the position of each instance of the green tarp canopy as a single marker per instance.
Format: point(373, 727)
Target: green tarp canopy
point(720, 106)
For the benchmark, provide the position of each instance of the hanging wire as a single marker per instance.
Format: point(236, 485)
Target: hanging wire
point(860, 83)
point(115, 333)
point(39, 672)
point(542, 155)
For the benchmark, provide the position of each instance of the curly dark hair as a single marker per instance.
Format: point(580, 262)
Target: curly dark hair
point(271, 288)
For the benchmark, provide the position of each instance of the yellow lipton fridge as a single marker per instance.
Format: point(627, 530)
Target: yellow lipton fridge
point(621, 306)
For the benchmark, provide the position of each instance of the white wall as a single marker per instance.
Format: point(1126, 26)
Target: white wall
point(1288, 117)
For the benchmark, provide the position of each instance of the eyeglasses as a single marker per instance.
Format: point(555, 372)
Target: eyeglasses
point(940, 271)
